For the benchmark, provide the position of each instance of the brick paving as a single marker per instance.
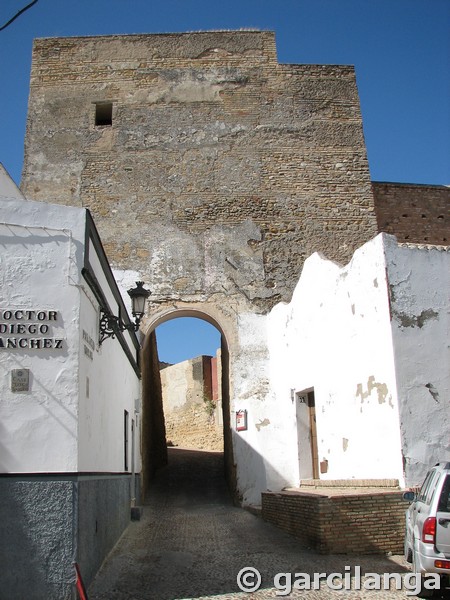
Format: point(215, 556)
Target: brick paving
point(192, 542)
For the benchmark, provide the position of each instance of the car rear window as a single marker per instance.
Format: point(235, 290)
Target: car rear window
point(444, 500)
point(428, 487)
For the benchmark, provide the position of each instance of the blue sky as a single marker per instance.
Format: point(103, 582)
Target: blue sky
point(400, 48)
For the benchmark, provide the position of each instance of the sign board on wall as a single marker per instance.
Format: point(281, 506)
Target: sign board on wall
point(28, 329)
point(20, 380)
point(241, 420)
point(89, 345)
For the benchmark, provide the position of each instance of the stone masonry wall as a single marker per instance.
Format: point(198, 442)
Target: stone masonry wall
point(417, 214)
point(191, 417)
point(221, 170)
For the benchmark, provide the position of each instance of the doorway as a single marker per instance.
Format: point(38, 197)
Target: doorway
point(308, 455)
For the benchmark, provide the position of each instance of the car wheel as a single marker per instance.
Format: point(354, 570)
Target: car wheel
point(423, 591)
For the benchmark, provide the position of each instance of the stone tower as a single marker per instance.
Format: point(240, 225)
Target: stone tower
point(209, 168)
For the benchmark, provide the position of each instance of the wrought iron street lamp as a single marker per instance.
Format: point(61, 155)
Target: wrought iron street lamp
point(110, 325)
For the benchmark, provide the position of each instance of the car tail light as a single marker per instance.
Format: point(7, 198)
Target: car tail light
point(429, 530)
point(442, 564)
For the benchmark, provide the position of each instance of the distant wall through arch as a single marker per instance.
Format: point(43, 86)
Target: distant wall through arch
point(192, 416)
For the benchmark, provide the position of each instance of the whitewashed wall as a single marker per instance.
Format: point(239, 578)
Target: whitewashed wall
point(261, 452)
point(108, 387)
point(72, 417)
point(38, 271)
point(8, 189)
point(335, 336)
point(419, 280)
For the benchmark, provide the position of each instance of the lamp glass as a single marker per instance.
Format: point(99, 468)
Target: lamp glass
point(138, 297)
point(138, 305)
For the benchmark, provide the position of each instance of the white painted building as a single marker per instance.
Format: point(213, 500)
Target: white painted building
point(359, 373)
point(69, 409)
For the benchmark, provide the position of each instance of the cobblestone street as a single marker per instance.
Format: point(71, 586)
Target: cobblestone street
point(192, 542)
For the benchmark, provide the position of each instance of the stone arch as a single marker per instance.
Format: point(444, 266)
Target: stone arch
point(154, 451)
point(210, 314)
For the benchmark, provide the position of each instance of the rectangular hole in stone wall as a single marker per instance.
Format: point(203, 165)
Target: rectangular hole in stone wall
point(103, 114)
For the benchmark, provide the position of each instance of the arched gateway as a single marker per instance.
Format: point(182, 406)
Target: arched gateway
point(153, 432)
point(212, 172)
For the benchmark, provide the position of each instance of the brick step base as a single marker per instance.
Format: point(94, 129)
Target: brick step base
point(349, 483)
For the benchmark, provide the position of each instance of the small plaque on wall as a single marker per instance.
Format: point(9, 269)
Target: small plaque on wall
point(20, 380)
point(241, 420)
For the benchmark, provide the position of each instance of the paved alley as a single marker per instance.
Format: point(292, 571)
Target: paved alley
point(192, 543)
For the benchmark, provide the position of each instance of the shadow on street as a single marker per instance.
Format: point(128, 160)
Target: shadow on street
point(192, 542)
